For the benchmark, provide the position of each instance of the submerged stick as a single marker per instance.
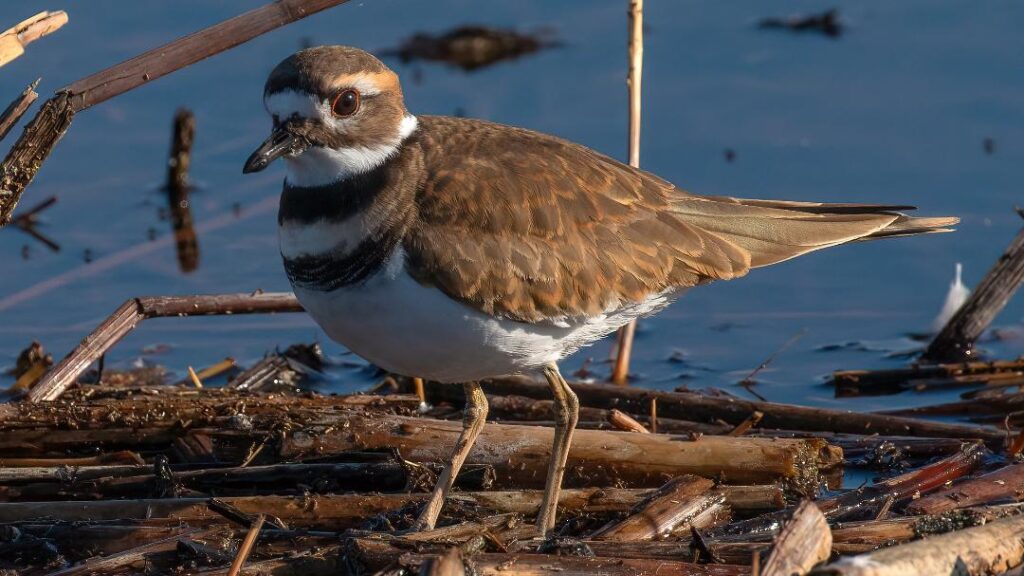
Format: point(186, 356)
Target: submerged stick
point(804, 542)
point(178, 190)
point(956, 340)
point(16, 109)
point(53, 120)
point(636, 68)
point(134, 311)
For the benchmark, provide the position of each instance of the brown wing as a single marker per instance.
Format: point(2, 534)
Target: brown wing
point(530, 227)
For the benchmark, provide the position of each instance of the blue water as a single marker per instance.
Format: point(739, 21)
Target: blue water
point(894, 111)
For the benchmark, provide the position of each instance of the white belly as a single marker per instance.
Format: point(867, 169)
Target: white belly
point(413, 330)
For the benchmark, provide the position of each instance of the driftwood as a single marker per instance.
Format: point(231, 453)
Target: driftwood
point(333, 512)
point(546, 565)
point(1005, 484)
point(178, 190)
point(989, 549)
point(519, 453)
point(53, 120)
point(134, 311)
point(956, 339)
point(14, 39)
point(803, 542)
point(920, 377)
point(625, 422)
point(16, 109)
point(870, 498)
point(687, 405)
point(105, 565)
point(676, 503)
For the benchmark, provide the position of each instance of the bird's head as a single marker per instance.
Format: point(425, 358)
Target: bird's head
point(337, 111)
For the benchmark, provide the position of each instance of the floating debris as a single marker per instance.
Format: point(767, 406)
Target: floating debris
point(826, 23)
point(472, 47)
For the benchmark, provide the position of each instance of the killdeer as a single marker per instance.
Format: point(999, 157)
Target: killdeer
point(457, 249)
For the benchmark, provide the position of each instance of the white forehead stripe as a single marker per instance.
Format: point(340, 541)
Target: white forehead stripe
point(291, 101)
point(287, 103)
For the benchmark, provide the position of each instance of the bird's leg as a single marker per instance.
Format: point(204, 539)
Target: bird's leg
point(567, 413)
point(474, 416)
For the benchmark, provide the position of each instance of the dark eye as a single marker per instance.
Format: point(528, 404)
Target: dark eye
point(345, 103)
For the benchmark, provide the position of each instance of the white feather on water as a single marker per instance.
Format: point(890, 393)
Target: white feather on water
point(955, 298)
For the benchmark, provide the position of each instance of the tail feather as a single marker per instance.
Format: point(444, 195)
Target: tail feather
point(913, 226)
point(773, 231)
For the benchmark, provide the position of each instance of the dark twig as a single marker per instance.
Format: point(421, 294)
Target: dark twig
point(134, 311)
point(16, 109)
point(54, 118)
point(178, 190)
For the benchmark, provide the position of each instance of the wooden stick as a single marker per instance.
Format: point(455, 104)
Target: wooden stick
point(1003, 485)
point(675, 503)
point(337, 511)
point(625, 422)
point(178, 188)
point(41, 135)
point(420, 393)
point(106, 565)
point(134, 311)
point(745, 426)
point(14, 39)
point(620, 374)
point(547, 565)
point(990, 549)
point(804, 542)
point(955, 341)
point(194, 378)
point(447, 564)
point(597, 457)
point(920, 377)
point(246, 548)
point(902, 487)
point(16, 109)
point(27, 155)
point(209, 372)
point(685, 405)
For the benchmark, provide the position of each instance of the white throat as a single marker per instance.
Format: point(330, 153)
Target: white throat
point(320, 166)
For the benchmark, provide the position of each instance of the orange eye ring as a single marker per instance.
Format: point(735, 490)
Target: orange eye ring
point(346, 103)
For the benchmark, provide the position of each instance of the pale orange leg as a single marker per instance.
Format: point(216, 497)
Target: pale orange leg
point(474, 416)
point(567, 413)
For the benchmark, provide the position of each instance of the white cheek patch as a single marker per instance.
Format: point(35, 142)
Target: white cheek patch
point(320, 166)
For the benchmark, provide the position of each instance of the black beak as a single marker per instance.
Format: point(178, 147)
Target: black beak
point(280, 143)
